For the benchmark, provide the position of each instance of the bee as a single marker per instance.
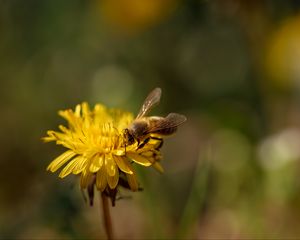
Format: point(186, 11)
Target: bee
point(143, 128)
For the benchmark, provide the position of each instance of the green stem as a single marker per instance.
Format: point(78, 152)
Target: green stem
point(197, 196)
point(106, 217)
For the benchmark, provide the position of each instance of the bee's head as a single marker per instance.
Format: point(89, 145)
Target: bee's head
point(128, 136)
point(135, 131)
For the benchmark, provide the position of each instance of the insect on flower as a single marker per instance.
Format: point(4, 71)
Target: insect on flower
point(103, 144)
point(144, 127)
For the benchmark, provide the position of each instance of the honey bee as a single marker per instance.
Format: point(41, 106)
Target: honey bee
point(144, 127)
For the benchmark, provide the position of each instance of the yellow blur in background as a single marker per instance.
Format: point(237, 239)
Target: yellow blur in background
point(283, 53)
point(129, 16)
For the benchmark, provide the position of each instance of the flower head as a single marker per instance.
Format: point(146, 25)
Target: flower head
point(97, 148)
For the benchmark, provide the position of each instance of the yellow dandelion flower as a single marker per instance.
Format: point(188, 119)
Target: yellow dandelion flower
point(103, 143)
point(97, 148)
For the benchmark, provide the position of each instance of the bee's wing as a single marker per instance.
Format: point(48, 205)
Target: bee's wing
point(170, 121)
point(152, 100)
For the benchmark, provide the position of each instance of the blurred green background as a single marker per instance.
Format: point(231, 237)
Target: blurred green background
point(231, 66)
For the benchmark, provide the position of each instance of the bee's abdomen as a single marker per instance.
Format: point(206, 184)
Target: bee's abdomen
point(167, 131)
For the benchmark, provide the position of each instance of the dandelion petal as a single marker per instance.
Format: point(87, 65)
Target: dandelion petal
point(68, 169)
point(96, 163)
point(77, 110)
point(85, 178)
point(158, 167)
point(139, 159)
point(110, 166)
point(60, 160)
point(123, 164)
point(101, 181)
point(113, 180)
point(81, 164)
point(132, 182)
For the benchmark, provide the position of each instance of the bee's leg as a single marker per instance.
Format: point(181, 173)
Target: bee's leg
point(148, 139)
point(143, 143)
point(158, 139)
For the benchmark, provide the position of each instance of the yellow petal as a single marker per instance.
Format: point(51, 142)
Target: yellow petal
point(147, 154)
point(86, 178)
point(60, 160)
point(132, 181)
point(85, 109)
point(101, 181)
point(77, 110)
point(158, 167)
point(110, 165)
point(65, 114)
point(48, 139)
point(139, 159)
point(81, 165)
point(113, 180)
point(96, 163)
point(64, 129)
point(68, 169)
point(119, 152)
point(51, 136)
point(123, 164)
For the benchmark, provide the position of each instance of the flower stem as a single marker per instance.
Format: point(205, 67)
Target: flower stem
point(106, 217)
